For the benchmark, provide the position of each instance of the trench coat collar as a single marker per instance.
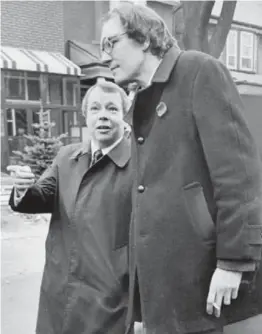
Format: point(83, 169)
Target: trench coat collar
point(120, 154)
point(166, 66)
point(162, 75)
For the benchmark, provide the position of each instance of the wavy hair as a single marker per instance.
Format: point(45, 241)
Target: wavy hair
point(142, 23)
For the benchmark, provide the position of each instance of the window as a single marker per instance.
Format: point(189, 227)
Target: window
point(55, 89)
point(21, 85)
point(231, 48)
point(33, 86)
point(247, 43)
point(15, 85)
point(16, 121)
point(241, 51)
point(70, 93)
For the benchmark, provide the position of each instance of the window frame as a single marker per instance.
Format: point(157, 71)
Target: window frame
point(235, 55)
point(25, 78)
point(252, 48)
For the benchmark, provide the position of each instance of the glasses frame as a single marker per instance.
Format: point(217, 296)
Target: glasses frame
point(108, 43)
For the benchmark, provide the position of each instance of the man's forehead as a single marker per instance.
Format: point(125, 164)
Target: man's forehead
point(100, 95)
point(112, 27)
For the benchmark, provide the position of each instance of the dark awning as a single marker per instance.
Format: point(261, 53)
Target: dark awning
point(82, 53)
point(87, 56)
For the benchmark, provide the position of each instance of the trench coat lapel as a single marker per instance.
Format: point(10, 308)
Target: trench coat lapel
point(80, 165)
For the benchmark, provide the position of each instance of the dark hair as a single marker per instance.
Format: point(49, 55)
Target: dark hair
point(110, 87)
point(142, 23)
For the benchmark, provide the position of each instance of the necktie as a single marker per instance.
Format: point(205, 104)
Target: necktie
point(96, 156)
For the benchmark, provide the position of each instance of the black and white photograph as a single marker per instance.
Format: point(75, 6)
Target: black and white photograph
point(131, 167)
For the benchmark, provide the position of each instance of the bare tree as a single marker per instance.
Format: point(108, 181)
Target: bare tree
point(193, 18)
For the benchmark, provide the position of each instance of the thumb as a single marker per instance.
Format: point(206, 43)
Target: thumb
point(26, 169)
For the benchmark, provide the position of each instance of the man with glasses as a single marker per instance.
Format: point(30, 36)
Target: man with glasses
point(196, 229)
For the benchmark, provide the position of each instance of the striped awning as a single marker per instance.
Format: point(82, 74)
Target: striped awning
point(37, 61)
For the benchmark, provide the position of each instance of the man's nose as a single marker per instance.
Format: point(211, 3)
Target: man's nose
point(103, 116)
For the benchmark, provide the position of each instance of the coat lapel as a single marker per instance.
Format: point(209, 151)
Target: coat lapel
point(80, 161)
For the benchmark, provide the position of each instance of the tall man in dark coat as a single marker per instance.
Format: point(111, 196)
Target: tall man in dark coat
point(88, 192)
point(196, 232)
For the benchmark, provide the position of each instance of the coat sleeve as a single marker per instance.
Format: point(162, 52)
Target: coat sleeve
point(233, 162)
point(40, 197)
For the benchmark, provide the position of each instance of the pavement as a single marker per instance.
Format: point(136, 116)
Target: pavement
point(22, 261)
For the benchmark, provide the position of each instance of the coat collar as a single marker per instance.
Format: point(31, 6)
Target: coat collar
point(162, 75)
point(120, 154)
point(165, 68)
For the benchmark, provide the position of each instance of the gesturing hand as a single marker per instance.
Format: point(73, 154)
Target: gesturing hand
point(22, 176)
point(223, 287)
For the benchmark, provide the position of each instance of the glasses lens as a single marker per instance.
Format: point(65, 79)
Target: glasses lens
point(107, 46)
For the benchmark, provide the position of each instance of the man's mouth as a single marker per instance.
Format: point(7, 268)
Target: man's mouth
point(103, 128)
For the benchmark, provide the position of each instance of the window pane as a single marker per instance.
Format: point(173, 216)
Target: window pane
point(33, 90)
point(16, 121)
point(247, 38)
point(55, 90)
point(10, 129)
point(21, 120)
point(231, 49)
point(246, 63)
point(247, 52)
point(231, 61)
point(15, 88)
point(70, 93)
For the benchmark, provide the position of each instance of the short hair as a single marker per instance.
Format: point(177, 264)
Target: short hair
point(109, 87)
point(140, 23)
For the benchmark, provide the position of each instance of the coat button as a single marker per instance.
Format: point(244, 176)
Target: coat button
point(140, 140)
point(141, 188)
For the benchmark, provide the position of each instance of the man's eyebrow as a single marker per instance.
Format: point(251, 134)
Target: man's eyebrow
point(94, 103)
point(112, 103)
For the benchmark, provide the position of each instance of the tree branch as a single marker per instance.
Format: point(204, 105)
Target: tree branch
point(219, 36)
point(206, 10)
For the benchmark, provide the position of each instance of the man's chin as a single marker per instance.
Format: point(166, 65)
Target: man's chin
point(121, 81)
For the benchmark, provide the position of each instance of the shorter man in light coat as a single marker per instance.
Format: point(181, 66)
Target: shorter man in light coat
point(87, 191)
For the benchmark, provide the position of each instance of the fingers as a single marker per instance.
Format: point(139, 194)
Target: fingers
point(227, 296)
point(210, 300)
point(223, 288)
point(22, 184)
point(22, 176)
point(235, 293)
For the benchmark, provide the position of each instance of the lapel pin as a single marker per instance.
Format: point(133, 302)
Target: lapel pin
point(161, 109)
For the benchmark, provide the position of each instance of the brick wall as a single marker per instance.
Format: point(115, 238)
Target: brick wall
point(33, 25)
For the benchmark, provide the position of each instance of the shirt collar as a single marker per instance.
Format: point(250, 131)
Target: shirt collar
point(95, 147)
point(119, 153)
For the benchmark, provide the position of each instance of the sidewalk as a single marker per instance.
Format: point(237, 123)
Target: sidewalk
point(23, 252)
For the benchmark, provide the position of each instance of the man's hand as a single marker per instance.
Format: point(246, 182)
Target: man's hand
point(223, 287)
point(22, 177)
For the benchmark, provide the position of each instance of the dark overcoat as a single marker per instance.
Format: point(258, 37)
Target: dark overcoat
point(85, 281)
point(196, 197)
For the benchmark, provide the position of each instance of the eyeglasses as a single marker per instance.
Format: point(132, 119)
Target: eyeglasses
point(108, 43)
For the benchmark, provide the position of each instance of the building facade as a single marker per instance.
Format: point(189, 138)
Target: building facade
point(37, 80)
point(243, 57)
